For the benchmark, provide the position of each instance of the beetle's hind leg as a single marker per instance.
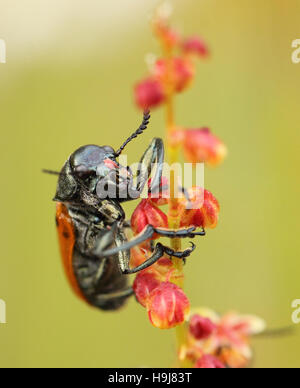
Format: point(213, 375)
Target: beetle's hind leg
point(159, 251)
point(113, 300)
point(147, 234)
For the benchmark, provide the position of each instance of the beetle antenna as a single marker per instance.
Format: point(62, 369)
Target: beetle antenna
point(138, 132)
point(51, 172)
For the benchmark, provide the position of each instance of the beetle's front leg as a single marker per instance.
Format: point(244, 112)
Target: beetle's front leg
point(111, 210)
point(154, 155)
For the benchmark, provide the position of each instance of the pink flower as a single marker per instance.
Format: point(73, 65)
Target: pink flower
point(152, 277)
point(202, 210)
point(200, 145)
point(167, 306)
point(201, 328)
point(168, 35)
point(195, 45)
point(209, 362)
point(144, 284)
point(177, 75)
point(230, 341)
point(145, 214)
point(149, 93)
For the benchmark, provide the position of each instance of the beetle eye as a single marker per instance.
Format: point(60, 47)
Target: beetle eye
point(83, 172)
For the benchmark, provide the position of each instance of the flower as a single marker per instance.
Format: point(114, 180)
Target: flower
point(233, 335)
point(202, 209)
point(150, 278)
point(176, 137)
point(200, 327)
point(144, 284)
point(145, 214)
point(167, 306)
point(176, 75)
point(149, 93)
point(229, 342)
point(209, 362)
point(200, 145)
point(196, 46)
point(166, 34)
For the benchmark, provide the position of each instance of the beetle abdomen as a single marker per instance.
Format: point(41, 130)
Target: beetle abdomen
point(66, 237)
point(100, 282)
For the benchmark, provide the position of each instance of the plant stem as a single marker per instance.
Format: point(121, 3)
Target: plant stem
point(173, 159)
point(173, 216)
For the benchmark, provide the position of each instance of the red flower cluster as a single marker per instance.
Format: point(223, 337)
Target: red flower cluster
point(172, 75)
point(200, 209)
point(155, 287)
point(209, 341)
point(166, 303)
point(219, 342)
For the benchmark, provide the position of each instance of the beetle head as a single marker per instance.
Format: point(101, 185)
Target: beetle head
point(93, 168)
point(96, 170)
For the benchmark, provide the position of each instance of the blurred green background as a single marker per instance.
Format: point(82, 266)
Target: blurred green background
point(68, 80)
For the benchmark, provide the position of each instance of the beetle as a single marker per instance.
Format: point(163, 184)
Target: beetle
point(91, 226)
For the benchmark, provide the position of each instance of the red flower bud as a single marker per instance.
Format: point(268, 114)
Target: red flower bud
point(149, 93)
point(176, 138)
point(201, 328)
point(195, 45)
point(144, 284)
point(202, 210)
point(209, 362)
point(177, 75)
point(168, 35)
point(167, 306)
point(200, 145)
point(145, 214)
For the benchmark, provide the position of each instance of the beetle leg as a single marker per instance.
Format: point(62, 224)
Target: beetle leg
point(107, 239)
point(113, 300)
point(126, 293)
point(180, 254)
point(154, 155)
point(147, 234)
point(158, 253)
point(179, 233)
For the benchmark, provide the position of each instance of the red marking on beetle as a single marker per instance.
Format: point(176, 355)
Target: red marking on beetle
point(110, 164)
point(66, 237)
